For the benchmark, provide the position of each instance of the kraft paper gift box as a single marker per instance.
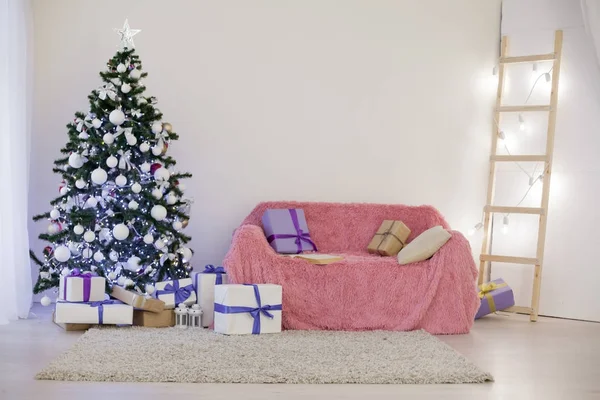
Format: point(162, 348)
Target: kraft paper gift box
point(137, 300)
point(81, 286)
point(390, 238)
point(107, 312)
point(72, 327)
point(247, 309)
point(495, 296)
point(176, 292)
point(149, 319)
point(287, 231)
point(204, 284)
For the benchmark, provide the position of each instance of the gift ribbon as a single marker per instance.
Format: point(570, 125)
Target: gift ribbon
point(253, 311)
point(87, 283)
point(181, 293)
point(486, 289)
point(388, 233)
point(300, 235)
point(211, 269)
point(107, 90)
point(124, 162)
point(100, 305)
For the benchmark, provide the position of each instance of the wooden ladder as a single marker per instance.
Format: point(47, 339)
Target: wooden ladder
point(486, 258)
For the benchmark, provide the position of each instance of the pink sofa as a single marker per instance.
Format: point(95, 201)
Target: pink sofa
point(363, 292)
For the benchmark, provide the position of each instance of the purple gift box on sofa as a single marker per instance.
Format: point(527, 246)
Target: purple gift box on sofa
point(286, 231)
point(495, 295)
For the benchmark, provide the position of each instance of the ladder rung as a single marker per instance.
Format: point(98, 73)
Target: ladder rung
point(523, 59)
point(524, 108)
point(519, 309)
point(507, 259)
point(515, 210)
point(517, 158)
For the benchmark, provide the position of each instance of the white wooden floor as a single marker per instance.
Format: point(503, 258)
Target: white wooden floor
point(550, 359)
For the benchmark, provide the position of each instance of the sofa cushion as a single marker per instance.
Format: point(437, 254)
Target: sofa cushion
point(424, 246)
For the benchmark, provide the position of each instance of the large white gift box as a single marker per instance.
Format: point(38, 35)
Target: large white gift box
point(247, 309)
point(204, 284)
point(107, 312)
point(81, 287)
point(176, 292)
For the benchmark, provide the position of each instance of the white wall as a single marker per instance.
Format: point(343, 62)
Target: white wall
point(386, 101)
point(571, 268)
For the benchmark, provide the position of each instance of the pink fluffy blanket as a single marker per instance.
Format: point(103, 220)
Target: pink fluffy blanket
point(363, 292)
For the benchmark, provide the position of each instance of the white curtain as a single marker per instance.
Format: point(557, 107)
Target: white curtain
point(591, 18)
point(15, 89)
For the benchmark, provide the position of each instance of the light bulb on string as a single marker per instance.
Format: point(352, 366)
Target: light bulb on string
point(505, 222)
point(495, 70)
point(501, 136)
point(521, 122)
point(548, 77)
point(534, 69)
point(474, 229)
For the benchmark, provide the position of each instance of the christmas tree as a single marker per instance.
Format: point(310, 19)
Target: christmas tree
point(121, 207)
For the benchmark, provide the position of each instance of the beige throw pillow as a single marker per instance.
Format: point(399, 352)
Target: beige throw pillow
point(424, 246)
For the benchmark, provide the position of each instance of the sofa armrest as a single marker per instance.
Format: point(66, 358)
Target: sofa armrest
point(249, 246)
point(457, 253)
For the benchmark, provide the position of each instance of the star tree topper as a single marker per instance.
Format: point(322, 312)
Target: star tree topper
point(127, 34)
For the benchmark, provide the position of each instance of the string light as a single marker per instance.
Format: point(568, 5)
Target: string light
point(505, 222)
point(474, 229)
point(521, 122)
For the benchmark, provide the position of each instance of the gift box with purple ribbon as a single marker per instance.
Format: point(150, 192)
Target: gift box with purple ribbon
point(81, 286)
point(247, 309)
point(107, 312)
point(204, 284)
point(176, 292)
point(287, 231)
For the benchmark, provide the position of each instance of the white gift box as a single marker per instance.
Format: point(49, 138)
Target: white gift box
point(100, 312)
point(176, 292)
point(204, 284)
point(73, 287)
point(237, 309)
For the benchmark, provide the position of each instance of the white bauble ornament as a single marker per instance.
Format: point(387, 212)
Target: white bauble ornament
point(126, 88)
point(99, 176)
point(148, 238)
point(162, 174)
point(142, 100)
point(120, 232)
point(75, 160)
point(98, 256)
point(158, 212)
point(64, 190)
point(116, 81)
point(45, 301)
point(87, 253)
point(171, 199)
point(55, 214)
point(157, 128)
point(133, 205)
point(112, 276)
point(96, 123)
point(108, 138)
point(113, 255)
point(149, 289)
point(121, 180)
point(116, 117)
point(83, 135)
point(91, 202)
point(121, 68)
point(157, 150)
point(128, 283)
point(111, 161)
point(62, 253)
point(52, 229)
point(159, 244)
point(181, 187)
point(44, 275)
point(157, 193)
point(133, 263)
point(89, 236)
point(80, 183)
point(145, 167)
point(135, 74)
point(74, 248)
point(144, 147)
point(131, 140)
point(186, 253)
point(136, 188)
point(121, 281)
point(177, 225)
point(78, 229)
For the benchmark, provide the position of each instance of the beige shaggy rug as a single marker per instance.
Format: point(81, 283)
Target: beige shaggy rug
point(198, 355)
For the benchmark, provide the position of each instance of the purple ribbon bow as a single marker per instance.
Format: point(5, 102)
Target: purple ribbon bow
point(211, 269)
point(253, 311)
point(300, 235)
point(87, 283)
point(181, 293)
point(100, 305)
